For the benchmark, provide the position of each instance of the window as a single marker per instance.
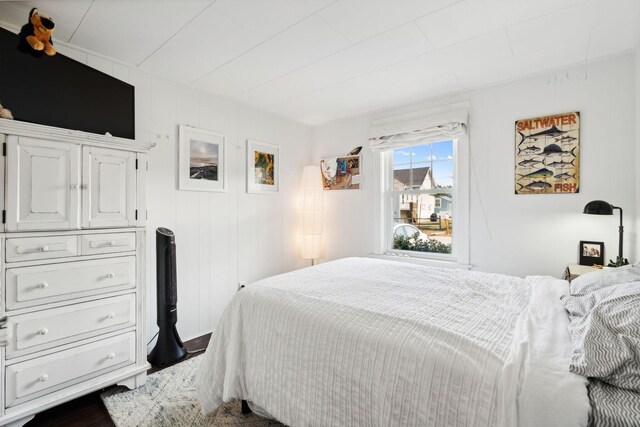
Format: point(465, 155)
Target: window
point(420, 195)
point(423, 196)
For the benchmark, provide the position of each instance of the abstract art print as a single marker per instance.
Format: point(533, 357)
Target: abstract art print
point(341, 173)
point(201, 160)
point(262, 167)
point(547, 155)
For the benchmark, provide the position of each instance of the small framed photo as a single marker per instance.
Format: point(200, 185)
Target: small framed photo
point(201, 160)
point(591, 253)
point(263, 167)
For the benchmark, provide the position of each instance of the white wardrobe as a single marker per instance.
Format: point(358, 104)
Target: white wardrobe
point(72, 265)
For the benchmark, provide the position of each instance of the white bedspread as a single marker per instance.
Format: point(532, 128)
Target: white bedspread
point(536, 388)
point(366, 342)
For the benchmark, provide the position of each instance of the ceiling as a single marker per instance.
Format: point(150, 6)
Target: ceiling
point(316, 61)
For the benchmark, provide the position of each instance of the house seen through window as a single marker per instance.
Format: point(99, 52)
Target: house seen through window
point(422, 197)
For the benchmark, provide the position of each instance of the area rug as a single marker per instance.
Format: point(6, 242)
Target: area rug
point(169, 399)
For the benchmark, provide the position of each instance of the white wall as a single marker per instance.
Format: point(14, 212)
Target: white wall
point(221, 238)
point(525, 234)
point(637, 144)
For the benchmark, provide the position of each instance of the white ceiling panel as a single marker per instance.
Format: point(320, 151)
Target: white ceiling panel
point(610, 41)
point(338, 94)
point(480, 50)
point(302, 44)
point(358, 20)
point(542, 60)
point(66, 14)
point(388, 48)
point(184, 60)
point(550, 29)
point(116, 28)
point(569, 23)
point(522, 10)
point(418, 69)
point(266, 18)
point(460, 22)
point(232, 28)
point(465, 20)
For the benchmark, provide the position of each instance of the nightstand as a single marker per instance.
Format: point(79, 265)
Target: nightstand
point(574, 270)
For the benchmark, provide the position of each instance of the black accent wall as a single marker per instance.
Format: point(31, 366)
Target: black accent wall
point(59, 91)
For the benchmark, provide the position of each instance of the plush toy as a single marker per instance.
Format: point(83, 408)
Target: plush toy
point(355, 151)
point(5, 114)
point(37, 33)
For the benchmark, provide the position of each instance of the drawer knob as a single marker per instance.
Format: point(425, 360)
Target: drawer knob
point(111, 355)
point(43, 378)
point(43, 248)
point(110, 275)
point(43, 331)
point(43, 285)
point(111, 315)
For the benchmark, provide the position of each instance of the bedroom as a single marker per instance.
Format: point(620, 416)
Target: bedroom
point(313, 78)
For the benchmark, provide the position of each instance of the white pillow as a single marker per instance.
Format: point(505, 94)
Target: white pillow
point(590, 282)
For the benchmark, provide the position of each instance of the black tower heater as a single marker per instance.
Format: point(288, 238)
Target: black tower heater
point(169, 348)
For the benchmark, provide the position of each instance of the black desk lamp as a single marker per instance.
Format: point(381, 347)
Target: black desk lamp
point(600, 207)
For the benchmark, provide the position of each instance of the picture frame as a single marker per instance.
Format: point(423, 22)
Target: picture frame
point(591, 253)
point(263, 167)
point(547, 154)
point(341, 172)
point(201, 160)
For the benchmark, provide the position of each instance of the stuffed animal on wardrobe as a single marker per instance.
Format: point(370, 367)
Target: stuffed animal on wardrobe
point(35, 36)
point(5, 113)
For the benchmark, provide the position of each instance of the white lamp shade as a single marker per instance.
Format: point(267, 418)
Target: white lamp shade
point(312, 212)
point(311, 246)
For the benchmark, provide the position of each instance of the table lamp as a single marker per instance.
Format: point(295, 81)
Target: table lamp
point(600, 207)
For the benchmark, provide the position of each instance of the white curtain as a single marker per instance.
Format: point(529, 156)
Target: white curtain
point(420, 126)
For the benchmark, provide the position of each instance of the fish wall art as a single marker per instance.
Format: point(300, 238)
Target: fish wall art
point(548, 154)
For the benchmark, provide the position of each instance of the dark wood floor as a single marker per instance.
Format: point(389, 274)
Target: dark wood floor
point(89, 410)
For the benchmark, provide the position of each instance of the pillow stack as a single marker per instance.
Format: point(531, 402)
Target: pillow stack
point(604, 314)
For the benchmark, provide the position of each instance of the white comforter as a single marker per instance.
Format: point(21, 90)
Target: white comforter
point(365, 342)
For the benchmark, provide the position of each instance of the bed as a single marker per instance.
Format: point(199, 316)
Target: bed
point(363, 341)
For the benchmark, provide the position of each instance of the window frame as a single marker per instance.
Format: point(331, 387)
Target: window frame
point(460, 209)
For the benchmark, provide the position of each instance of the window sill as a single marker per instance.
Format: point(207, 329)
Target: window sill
point(428, 262)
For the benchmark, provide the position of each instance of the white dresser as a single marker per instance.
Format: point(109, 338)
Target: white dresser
point(73, 267)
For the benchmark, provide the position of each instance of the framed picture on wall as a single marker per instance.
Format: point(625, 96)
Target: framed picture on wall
point(547, 153)
point(341, 173)
point(201, 160)
point(591, 253)
point(263, 167)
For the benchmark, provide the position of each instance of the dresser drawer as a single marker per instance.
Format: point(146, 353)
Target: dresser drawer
point(49, 328)
point(33, 378)
point(92, 244)
point(42, 284)
point(30, 248)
